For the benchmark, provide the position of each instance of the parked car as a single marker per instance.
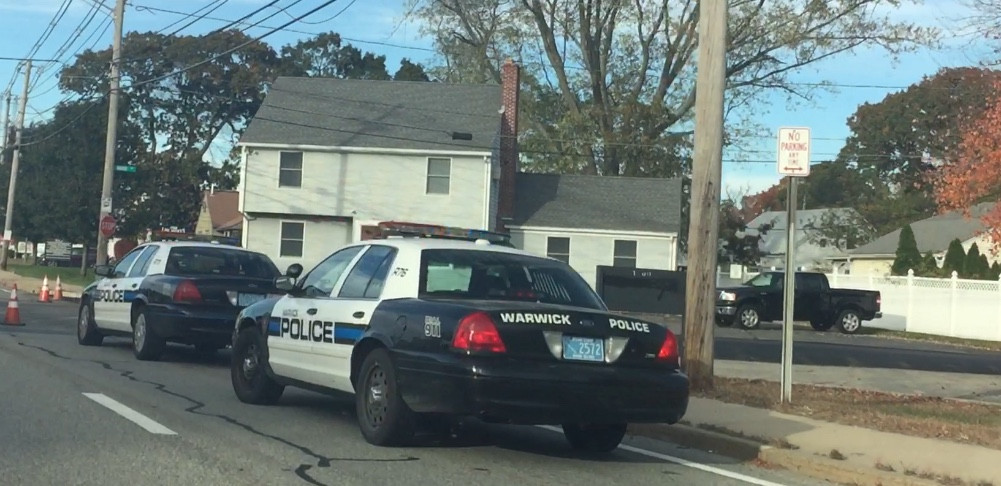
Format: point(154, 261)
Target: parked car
point(761, 299)
point(421, 329)
point(184, 292)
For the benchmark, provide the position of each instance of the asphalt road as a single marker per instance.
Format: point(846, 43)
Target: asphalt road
point(832, 348)
point(83, 415)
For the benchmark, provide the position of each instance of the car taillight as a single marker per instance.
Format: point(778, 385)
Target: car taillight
point(186, 291)
point(477, 332)
point(879, 300)
point(669, 349)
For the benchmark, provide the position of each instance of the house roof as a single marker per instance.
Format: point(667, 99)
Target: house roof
point(224, 207)
point(598, 202)
point(334, 112)
point(931, 234)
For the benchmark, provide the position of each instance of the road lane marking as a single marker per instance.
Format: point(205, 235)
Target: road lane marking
point(683, 462)
point(139, 419)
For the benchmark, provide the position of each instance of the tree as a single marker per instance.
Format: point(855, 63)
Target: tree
point(180, 115)
point(323, 56)
point(735, 244)
point(619, 76)
point(955, 258)
point(843, 228)
point(975, 175)
point(928, 267)
point(410, 71)
point(974, 267)
point(996, 271)
point(908, 257)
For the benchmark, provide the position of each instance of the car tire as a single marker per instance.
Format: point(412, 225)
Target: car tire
point(383, 417)
point(594, 437)
point(849, 321)
point(748, 316)
point(86, 329)
point(248, 370)
point(819, 325)
point(146, 345)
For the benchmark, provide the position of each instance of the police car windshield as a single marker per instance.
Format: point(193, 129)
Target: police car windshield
point(195, 261)
point(475, 274)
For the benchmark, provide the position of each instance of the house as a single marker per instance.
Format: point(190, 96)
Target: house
point(598, 220)
point(931, 234)
point(814, 231)
point(220, 214)
point(324, 160)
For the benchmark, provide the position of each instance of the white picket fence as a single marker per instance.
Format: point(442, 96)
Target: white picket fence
point(953, 307)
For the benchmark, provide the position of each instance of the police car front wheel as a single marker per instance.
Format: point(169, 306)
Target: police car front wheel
point(383, 417)
point(247, 370)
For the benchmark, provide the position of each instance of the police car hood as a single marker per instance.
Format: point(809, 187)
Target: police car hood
point(521, 324)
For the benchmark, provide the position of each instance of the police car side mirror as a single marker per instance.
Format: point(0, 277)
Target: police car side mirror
point(293, 271)
point(285, 284)
point(103, 270)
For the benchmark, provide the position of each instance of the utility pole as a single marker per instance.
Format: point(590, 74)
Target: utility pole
point(703, 232)
point(112, 137)
point(6, 127)
point(8, 223)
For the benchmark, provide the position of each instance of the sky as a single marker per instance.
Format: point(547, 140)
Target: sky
point(379, 26)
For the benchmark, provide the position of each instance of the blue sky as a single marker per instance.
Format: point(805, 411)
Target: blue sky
point(370, 24)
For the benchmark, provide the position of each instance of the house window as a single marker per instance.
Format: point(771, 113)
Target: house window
point(624, 254)
point(291, 239)
point(439, 170)
point(558, 247)
point(290, 170)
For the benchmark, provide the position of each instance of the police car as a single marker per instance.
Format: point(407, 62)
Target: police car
point(174, 291)
point(421, 328)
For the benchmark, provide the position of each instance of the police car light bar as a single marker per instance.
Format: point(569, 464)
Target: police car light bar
point(400, 228)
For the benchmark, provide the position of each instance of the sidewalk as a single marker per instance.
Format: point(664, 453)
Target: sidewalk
point(31, 285)
point(835, 452)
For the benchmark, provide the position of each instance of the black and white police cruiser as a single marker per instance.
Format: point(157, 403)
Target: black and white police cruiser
point(421, 328)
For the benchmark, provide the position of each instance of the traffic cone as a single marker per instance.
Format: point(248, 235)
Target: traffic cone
point(59, 290)
point(44, 296)
point(13, 317)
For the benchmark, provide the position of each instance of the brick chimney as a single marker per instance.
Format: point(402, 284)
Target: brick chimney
point(510, 84)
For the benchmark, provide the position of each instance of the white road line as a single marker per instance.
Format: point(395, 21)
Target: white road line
point(139, 419)
point(677, 460)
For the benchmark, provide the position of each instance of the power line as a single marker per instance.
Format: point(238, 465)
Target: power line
point(219, 3)
point(230, 51)
point(241, 19)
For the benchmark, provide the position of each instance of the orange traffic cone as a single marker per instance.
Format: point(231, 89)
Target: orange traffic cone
point(13, 317)
point(59, 290)
point(44, 295)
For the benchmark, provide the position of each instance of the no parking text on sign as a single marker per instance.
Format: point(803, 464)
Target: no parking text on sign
point(794, 151)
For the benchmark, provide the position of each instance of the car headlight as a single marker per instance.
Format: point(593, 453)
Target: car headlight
point(728, 296)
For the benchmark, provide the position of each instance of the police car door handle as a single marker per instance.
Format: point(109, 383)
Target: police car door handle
point(311, 311)
point(358, 315)
point(114, 286)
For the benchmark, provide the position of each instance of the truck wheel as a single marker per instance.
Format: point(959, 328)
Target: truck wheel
point(819, 325)
point(251, 382)
point(383, 417)
point(749, 316)
point(849, 321)
point(594, 437)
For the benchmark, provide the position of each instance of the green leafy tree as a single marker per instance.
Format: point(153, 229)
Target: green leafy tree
point(908, 257)
point(955, 258)
point(971, 263)
point(928, 267)
point(324, 56)
point(735, 244)
point(996, 271)
point(410, 71)
point(616, 80)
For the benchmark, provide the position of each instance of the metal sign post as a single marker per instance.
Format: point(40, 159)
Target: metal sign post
point(793, 163)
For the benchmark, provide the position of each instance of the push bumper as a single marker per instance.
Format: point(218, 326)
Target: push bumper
point(193, 325)
point(504, 390)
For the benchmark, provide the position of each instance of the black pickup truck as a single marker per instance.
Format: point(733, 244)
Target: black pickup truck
point(760, 299)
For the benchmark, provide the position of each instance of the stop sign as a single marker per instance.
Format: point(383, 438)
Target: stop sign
point(108, 224)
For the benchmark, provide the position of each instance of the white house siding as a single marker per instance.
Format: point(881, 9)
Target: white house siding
point(369, 187)
point(590, 249)
point(320, 239)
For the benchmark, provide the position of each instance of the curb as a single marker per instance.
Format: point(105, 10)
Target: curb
point(747, 450)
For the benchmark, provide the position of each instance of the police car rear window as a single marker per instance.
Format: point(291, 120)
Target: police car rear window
point(219, 262)
point(473, 274)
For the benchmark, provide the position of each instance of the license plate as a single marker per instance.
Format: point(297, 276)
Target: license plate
point(583, 349)
point(243, 300)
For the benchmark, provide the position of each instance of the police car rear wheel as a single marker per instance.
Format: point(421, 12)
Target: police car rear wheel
point(146, 345)
point(250, 381)
point(594, 437)
point(383, 417)
point(86, 330)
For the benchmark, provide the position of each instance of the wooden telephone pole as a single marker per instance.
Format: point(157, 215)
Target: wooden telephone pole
point(703, 232)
